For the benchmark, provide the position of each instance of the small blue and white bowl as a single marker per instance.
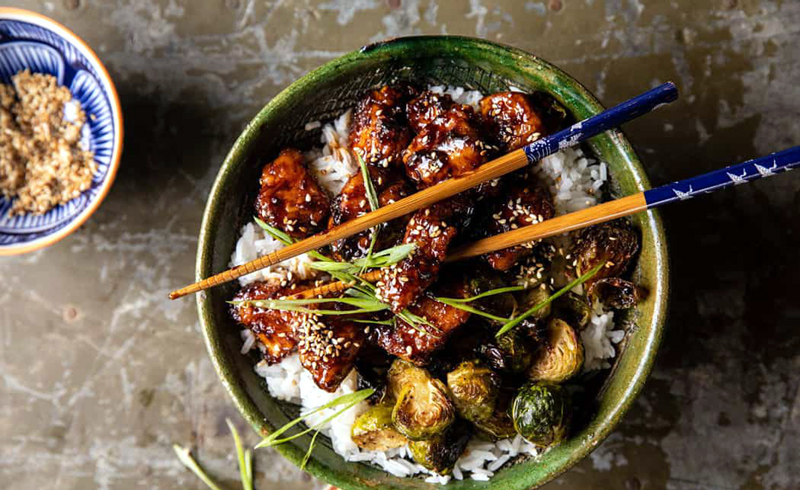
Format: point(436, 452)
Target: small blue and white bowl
point(30, 40)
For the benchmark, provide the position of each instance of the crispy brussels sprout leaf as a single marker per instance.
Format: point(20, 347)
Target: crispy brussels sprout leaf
point(533, 297)
point(552, 113)
point(574, 308)
point(561, 357)
point(474, 388)
point(541, 413)
point(618, 293)
point(423, 408)
point(533, 330)
point(497, 428)
point(373, 429)
point(509, 353)
point(488, 281)
point(499, 425)
point(440, 453)
point(614, 243)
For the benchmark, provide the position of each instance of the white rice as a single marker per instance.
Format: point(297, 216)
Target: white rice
point(575, 181)
point(459, 94)
point(255, 243)
point(334, 164)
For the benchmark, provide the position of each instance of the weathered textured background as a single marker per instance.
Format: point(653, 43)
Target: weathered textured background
point(100, 374)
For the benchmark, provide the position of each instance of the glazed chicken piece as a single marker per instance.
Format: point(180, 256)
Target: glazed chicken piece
point(380, 130)
point(525, 204)
point(328, 347)
point(406, 342)
point(440, 110)
point(448, 143)
point(432, 229)
point(515, 119)
point(290, 199)
point(390, 186)
point(274, 329)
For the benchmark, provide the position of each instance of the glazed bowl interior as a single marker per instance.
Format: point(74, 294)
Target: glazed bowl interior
point(323, 95)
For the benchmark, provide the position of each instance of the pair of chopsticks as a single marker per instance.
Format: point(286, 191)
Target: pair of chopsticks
point(633, 108)
point(578, 132)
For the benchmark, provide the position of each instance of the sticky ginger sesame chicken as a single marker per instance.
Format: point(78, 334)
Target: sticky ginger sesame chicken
point(274, 329)
point(380, 130)
point(289, 198)
point(515, 119)
point(448, 142)
point(328, 347)
point(526, 203)
point(406, 342)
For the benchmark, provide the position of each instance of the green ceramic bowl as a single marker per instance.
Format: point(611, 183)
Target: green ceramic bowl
point(324, 94)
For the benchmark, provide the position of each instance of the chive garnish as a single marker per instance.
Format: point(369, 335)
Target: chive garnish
point(349, 400)
point(374, 204)
point(345, 272)
point(472, 309)
point(363, 305)
point(188, 461)
point(491, 292)
point(245, 457)
point(516, 321)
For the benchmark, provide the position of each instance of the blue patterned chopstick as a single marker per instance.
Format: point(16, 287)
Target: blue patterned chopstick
point(625, 206)
point(611, 118)
point(578, 132)
point(733, 175)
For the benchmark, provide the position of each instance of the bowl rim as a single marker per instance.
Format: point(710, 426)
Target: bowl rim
point(661, 266)
point(22, 15)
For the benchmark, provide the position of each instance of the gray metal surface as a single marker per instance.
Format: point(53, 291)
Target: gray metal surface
point(101, 374)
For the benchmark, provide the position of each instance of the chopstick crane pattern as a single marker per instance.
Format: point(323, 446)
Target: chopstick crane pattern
point(611, 118)
point(782, 161)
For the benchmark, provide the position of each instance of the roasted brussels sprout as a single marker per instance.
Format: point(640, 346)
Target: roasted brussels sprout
point(574, 308)
point(499, 425)
point(618, 293)
point(553, 115)
point(614, 243)
point(440, 453)
point(423, 408)
point(533, 330)
point(534, 296)
point(560, 357)
point(541, 413)
point(373, 429)
point(509, 353)
point(486, 279)
point(474, 388)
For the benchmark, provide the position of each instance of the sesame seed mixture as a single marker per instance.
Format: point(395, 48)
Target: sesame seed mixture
point(42, 163)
